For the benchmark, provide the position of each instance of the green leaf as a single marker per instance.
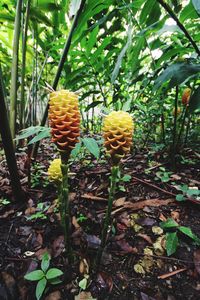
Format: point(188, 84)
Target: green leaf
point(35, 275)
point(171, 242)
point(146, 10)
point(53, 273)
point(29, 132)
point(45, 262)
point(188, 12)
point(195, 100)
point(92, 146)
point(83, 283)
point(177, 73)
point(45, 133)
point(193, 192)
point(40, 288)
point(188, 232)
point(170, 223)
point(180, 197)
point(196, 4)
point(126, 178)
point(120, 57)
point(77, 149)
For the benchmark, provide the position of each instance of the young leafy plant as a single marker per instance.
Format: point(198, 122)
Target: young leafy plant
point(173, 230)
point(44, 276)
point(187, 192)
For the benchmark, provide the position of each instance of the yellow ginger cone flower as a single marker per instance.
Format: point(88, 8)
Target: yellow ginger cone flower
point(186, 96)
point(64, 119)
point(54, 171)
point(118, 131)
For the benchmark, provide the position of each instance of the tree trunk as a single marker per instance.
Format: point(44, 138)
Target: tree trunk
point(9, 149)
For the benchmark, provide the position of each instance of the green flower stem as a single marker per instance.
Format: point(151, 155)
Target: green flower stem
point(65, 211)
point(107, 220)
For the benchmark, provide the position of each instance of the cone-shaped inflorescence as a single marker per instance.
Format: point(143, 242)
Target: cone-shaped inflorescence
point(54, 171)
point(64, 119)
point(186, 96)
point(118, 132)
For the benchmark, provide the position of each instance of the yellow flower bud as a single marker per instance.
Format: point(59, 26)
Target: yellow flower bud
point(54, 171)
point(117, 133)
point(186, 96)
point(64, 119)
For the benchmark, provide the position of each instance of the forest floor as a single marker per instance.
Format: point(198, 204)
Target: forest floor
point(135, 264)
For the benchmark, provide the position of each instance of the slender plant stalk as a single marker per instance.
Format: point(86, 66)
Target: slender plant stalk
point(182, 125)
point(14, 69)
point(23, 72)
point(107, 220)
point(65, 211)
point(180, 25)
point(163, 127)
point(60, 68)
point(187, 129)
point(9, 149)
point(175, 129)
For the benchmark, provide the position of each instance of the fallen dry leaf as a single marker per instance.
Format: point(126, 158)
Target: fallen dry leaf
point(93, 198)
point(141, 204)
point(164, 276)
point(84, 296)
point(119, 201)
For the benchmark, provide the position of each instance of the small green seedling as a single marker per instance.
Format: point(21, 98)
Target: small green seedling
point(173, 229)
point(187, 192)
point(121, 180)
point(44, 276)
point(163, 175)
point(40, 212)
point(81, 218)
point(4, 202)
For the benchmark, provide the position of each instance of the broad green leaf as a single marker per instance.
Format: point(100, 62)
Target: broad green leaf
point(177, 73)
point(188, 12)
point(180, 197)
point(187, 231)
point(170, 223)
point(100, 49)
point(146, 10)
point(77, 149)
point(196, 4)
point(171, 242)
point(93, 104)
point(37, 15)
point(53, 273)
point(92, 146)
point(126, 178)
point(195, 100)
point(28, 132)
point(45, 262)
point(154, 14)
point(45, 133)
point(40, 288)
point(120, 57)
point(83, 283)
point(35, 275)
point(92, 40)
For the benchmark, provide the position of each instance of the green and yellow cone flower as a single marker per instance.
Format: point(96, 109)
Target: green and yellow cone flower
point(117, 133)
point(186, 96)
point(64, 119)
point(54, 171)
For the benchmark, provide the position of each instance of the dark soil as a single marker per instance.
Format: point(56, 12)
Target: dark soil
point(125, 271)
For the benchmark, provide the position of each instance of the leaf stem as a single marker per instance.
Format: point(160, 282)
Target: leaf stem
point(107, 220)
